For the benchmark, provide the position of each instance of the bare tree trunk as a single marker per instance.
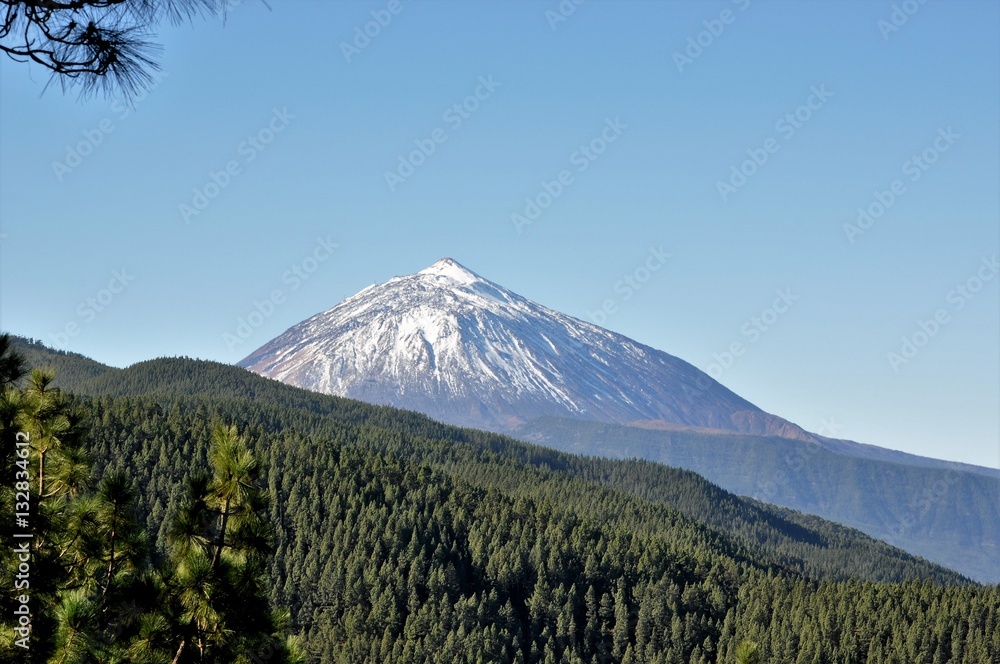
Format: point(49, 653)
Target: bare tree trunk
point(220, 543)
point(41, 486)
point(180, 650)
point(41, 473)
point(69, 642)
point(111, 563)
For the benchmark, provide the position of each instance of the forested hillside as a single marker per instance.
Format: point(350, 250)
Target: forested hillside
point(384, 559)
point(400, 539)
point(949, 515)
point(802, 542)
point(82, 581)
point(69, 369)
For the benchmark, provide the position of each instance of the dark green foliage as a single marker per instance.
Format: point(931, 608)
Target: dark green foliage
point(220, 540)
point(951, 515)
point(401, 540)
point(13, 366)
point(793, 540)
point(77, 576)
point(46, 469)
point(69, 369)
point(384, 559)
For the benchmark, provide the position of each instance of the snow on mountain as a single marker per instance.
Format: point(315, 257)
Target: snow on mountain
point(464, 350)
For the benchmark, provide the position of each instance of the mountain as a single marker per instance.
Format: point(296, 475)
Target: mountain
point(69, 368)
point(948, 515)
point(162, 389)
point(400, 539)
point(462, 349)
point(448, 343)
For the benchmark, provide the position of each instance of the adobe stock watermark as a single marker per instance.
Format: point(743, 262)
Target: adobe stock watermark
point(957, 297)
point(699, 43)
point(247, 150)
point(292, 279)
point(900, 16)
point(921, 503)
point(365, 33)
point(562, 12)
point(90, 308)
point(752, 331)
point(786, 126)
point(630, 283)
point(913, 168)
point(78, 152)
point(581, 158)
point(23, 536)
point(795, 462)
point(454, 116)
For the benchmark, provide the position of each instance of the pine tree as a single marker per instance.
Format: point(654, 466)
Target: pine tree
point(220, 541)
point(748, 652)
point(621, 629)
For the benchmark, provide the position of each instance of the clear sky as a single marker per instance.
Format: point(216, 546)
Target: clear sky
point(741, 138)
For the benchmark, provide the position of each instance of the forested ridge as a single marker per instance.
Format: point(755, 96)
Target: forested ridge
point(808, 544)
point(84, 582)
point(400, 539)
point(950, 515)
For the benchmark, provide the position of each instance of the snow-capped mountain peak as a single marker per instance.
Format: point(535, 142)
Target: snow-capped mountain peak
point(450, 343)
point(452, 270)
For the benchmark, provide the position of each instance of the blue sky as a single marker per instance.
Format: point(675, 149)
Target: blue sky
point(278, 139)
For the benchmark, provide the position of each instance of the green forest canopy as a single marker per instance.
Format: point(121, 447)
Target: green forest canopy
point(398, 539)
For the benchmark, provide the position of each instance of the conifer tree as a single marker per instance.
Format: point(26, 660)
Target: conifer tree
point(748, 652)
point(220, 540)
